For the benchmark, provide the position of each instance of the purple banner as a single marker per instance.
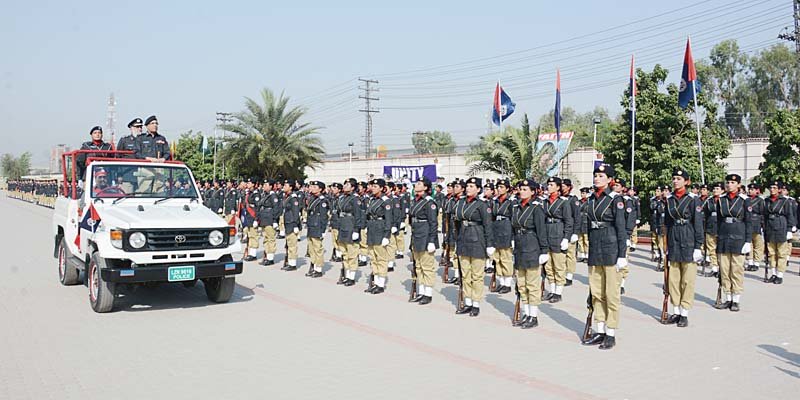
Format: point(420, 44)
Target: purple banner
point(412, 172)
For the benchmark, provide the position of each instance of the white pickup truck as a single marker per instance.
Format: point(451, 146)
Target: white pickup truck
point(128, 221)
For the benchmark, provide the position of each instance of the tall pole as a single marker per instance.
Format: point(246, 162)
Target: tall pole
point(350, 162)
point(795, 37)
point(699, 139)
point(633, 121)
point(214, 173)
point(594, 135)
point(368, 110)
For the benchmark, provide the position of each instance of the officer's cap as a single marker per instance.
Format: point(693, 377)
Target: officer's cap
point(363, 184)
point(566, 181)
point(554, 179)
point(353, 182)
point(318, 184)
point(704, 186)
point(779, 184)
point(695, 186)
point(489, 186)
point(620, 182)
point(337, 185)
point(733, 177)
point(390, 184)
point(529, 183)
point(378, 181)
point(475, 181)
point(459, 182)
point(427, 183)
point(290, 182)
point(150, 119)
point(680, 172)
point(754, 186)
point(717, 185)
point(606, 169)
point(135, 122)
point(95, 128)
point(585, 190)
point(503, 182)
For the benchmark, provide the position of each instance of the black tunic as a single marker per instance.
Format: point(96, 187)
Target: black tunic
point(607, 231)
point(684, 222)
point(530, 239)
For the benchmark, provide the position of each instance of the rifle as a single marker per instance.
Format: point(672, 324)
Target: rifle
point(286, 258)
point(515, 317)
point(460, 302)
point(718, 302)
point(493, 282)
point(413, 292)
point(587, 327)
point(443, 261)
point(665, 288)
point(766, 266)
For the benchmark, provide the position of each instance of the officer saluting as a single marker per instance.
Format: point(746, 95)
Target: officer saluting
point(684, 222)
point(733, 240)
point(474, 244)
point(128, 142)
point(530, 251)
point(607, 246)
point(424, 239)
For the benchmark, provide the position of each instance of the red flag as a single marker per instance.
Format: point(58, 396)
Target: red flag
point(634, 90)
point(497, 103)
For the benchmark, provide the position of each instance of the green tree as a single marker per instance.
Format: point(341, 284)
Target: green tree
point(16, 167)
point(270, 140)
point(580, 123)
point(511, 153)
point(665, 136)
point(782, 159)
point(433, 142)
point(187, 149)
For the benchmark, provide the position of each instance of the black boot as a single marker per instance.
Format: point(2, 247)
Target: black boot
point(772, 279)
point(734, 306)
point(683, 322)
point(673, 319)
point(349, 282)
point(530, 322)
point(416, 298)
point(474, 311)
point(778, 281)
point(377, 290)
point(555, 298)
point(504, 290)
point(569, 282)
point(723, 306)
point(398, 256)
point(595, 339)
point(464, 310)
point(316, 274)
point(522, 320)
point(249, 258)
point(362, 263)
point(310, 270)
point(425, 300)
point(548, 297)
point(608, 343)
point(622, 290)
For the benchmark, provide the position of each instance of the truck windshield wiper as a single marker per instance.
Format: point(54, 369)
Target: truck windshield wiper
point(173, 197)
point(118, 199)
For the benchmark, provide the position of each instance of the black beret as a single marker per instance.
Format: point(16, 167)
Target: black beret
point(135, 121)
point(585, 190)
point(529, 183)
point(554, 179)
point(695, 186)
point(606, 169)
point(290, 182)
point(150, 119)
point(566, 181)
point(318, 184)
point(337, 185)
point(620, 181)
point(733, 177)
point(95, 128)
point(475, 181)
point(427, 183)
point(489, 185)
point(450, 184)
point(681, 172)
point(362, 184)
point(754, 186)
point(704, 186)
point(459, 182)
point(779, 184)
point(390, 184)
point(717, 185)
point(503, 182)
point(378, 181)
point(352, 181)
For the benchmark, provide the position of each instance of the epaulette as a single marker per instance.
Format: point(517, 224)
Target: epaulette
point(384, 198)
point(613, 194)
point(742, 196)
point(429, 198)
point(626, 197)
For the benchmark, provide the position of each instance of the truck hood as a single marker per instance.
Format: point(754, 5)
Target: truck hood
point(169, 214)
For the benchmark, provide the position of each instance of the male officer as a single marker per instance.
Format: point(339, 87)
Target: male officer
point(684, 222)
point(780, 221)
point(96, 143)
point(424, 239)
point(269, 210)
point(733, 240)
point(558, 226)
point(128, 142)
point(351, 221)
point(249, 217)
point(291, 222)
point(317, 222)
point(379, 229)
point(502, 206)
point(153, 147)
point(475, 243)
point(607, 245)
point(530, 251)
point(231, 199)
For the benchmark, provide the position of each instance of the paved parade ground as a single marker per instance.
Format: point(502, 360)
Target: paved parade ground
point(286, 336)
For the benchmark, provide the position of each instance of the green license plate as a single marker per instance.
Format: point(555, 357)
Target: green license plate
point(182, 273)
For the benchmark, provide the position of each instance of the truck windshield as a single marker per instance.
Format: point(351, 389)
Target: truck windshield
point(125, 180)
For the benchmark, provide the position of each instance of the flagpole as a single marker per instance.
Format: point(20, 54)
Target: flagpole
point(214, 169)
point(699, 140)
point(633, 121)
point(500, 110)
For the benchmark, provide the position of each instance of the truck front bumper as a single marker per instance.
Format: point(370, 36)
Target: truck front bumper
point(160, 272)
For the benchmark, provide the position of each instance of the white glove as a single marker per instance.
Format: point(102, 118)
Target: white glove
point(489, 251)
point(621, 263)
point(384, 242)
point(628, 243)
point(431, 248)
point(275, 225)
point(638, 222)
point(355, 236)
point(573, 238)
point(746, 248)
point(564, 244)
point(788, 235)
point(255, 224)
point(402, 225)
point(697, 255)
point(512, 244)
point(219, 211)
point(543, 258)
point(296, 230)
point(394, 230)
point(794, 229)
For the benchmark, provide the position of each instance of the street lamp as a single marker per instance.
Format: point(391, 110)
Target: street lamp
point(596, 121)
point(350, 163)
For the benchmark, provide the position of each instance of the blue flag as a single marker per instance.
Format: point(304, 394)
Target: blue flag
point(557, 112)
point(503, 107)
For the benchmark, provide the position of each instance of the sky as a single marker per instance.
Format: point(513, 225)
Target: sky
point(436, 62)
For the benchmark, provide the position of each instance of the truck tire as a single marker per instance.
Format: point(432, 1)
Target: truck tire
point(219, 290)
point(101, 293)
point(67, 274)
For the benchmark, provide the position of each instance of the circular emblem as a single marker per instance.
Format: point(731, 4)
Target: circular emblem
point(296, 203)
point(750, 208)
point(628, 209)
point(601, 168)
point(275, 200)
point(180, 238)
point(388, 207)
point(324, 205)
point(433, 206)
point(699, 208)
point(489, 210)
point(620, 205)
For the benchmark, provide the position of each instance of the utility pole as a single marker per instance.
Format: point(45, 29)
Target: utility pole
point(368, 111)
point(794, 37)
point(222, 118)
point(112, 118)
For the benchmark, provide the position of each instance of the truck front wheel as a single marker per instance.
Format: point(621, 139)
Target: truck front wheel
point(101, 293)
point(219, 290)
point(67, 274)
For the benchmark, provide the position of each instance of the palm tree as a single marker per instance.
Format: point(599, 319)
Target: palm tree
point(269, 140)
point(511, 153)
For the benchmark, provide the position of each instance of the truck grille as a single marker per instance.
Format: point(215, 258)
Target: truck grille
point(176, 239)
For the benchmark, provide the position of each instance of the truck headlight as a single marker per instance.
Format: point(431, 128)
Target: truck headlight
point(137, 240)
point(215, 238)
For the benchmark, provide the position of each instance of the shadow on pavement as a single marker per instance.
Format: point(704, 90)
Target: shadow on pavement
point(564, 319)
point(643, 308)
point(784, 355)
point(166, 296)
